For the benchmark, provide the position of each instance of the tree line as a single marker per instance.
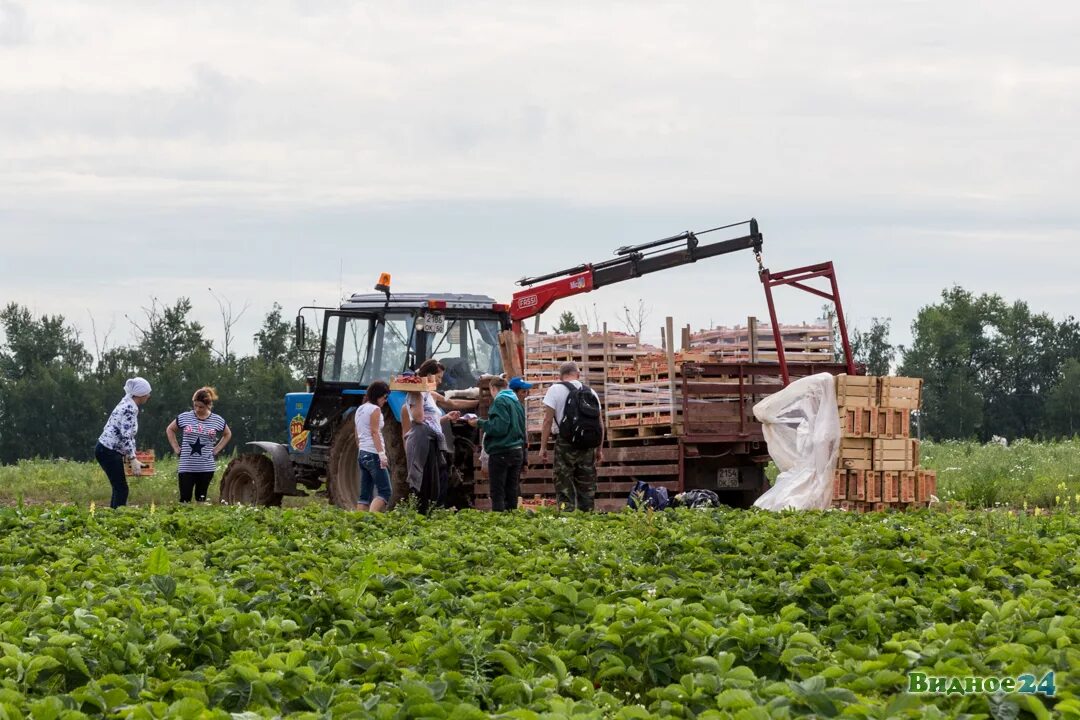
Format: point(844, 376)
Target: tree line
point(990, 368)
point(55, 395)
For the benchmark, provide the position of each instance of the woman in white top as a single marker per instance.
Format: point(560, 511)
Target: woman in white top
point(374, 478)
point(117, 442)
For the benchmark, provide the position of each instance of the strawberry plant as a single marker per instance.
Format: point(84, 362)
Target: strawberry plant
point(237, 612)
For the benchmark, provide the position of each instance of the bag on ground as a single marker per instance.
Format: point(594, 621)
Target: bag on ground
point(642, 494)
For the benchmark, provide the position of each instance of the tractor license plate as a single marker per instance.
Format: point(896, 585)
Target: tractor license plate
point(434, 323)
point(727, 478)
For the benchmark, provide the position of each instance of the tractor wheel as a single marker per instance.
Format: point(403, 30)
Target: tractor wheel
point(249, 480)
point(343, 472)
point(395, 451)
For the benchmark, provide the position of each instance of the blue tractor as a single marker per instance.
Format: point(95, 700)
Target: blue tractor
point(370, 337)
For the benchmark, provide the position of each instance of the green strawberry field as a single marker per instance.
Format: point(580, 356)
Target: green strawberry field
point(311, 612)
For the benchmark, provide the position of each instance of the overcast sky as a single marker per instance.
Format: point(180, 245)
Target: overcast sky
point(290, 151)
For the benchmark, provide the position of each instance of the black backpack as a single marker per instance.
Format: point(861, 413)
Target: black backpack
point(581, 425)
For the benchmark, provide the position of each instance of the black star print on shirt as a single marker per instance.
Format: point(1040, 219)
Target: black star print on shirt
point(197, 447)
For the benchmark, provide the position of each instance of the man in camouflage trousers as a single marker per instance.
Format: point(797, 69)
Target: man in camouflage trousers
point(575, 477)
point(575, 468)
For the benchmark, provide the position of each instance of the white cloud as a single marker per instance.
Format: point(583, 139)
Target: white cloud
point(258, 147)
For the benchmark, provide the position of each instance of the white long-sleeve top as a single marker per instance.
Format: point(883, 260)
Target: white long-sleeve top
point(120, 430)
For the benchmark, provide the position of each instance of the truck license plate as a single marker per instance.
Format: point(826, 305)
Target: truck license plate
point(434, 323)
point(727, 478)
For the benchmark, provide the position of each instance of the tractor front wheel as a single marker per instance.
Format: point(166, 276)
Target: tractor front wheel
point(249, 480)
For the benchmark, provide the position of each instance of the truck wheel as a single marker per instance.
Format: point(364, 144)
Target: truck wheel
point(249, 480)
point(343, 472)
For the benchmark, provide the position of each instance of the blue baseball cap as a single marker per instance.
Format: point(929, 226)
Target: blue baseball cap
point(518, 383)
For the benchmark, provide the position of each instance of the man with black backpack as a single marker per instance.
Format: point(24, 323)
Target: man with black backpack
point(572, 410)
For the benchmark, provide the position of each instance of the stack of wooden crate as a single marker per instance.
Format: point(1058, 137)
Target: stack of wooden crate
point(638, 397)
point(609, 364)
point(878, 465)
point(755, 342)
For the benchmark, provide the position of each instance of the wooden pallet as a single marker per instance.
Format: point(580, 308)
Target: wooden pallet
point(617, 434)
point(657, 464)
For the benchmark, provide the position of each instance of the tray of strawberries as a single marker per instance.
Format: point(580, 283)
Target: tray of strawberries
point(412, 383)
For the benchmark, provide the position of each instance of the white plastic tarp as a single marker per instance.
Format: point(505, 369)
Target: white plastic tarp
point(802, 427)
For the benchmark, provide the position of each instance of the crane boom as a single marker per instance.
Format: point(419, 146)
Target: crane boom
point(682, 249)
point(628, 263)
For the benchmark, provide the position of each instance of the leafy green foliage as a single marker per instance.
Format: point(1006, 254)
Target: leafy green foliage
point(990, 368)
point(567, 323)
point(54, 399)
point(872, 347)
point(212, 612)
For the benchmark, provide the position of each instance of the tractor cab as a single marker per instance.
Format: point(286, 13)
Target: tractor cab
point(380, 336)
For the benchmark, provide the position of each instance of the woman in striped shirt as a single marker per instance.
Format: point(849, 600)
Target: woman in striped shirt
point(117, 442)
point(204, 436)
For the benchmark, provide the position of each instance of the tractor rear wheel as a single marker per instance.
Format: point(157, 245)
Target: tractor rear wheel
point(343, 472)
point(249, 480)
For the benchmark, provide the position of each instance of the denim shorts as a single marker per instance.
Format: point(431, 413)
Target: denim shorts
point(374, 480)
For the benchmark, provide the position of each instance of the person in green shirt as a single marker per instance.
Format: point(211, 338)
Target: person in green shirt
point(504, 441)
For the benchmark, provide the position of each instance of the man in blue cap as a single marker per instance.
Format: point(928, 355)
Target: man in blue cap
point(504, 441)
point(520, 388)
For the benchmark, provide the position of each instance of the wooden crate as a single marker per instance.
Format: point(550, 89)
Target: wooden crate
point(890, 487)
point(840, 485)
point(857, 422)
point(873, 486)
point(426, 385)
point(892, 423)
point(856, 454)
point(907, 486)
point(857, 485)
point(900, 393)
point(146, 457)
point(856, 391)
point(925, 485)
point(536, 502)
point(896, 455)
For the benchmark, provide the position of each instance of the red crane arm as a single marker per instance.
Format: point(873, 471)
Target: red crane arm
point(537, 299)
point(539, 293)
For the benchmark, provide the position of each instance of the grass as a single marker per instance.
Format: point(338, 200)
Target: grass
point(979, 476)
point(35, 482)
point(66, 481)
point(1039, 474)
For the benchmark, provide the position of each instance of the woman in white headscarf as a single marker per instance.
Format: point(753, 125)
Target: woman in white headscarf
point(117, 442)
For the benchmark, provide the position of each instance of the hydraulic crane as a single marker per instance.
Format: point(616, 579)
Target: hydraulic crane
point(636, 260)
